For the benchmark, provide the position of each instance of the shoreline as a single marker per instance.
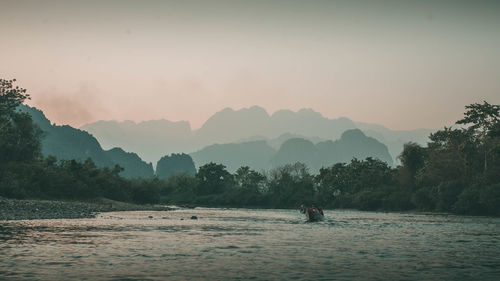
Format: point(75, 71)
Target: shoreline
point(32, 209)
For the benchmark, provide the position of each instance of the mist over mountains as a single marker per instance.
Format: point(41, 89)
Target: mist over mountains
point(153, 139)
point(247, 137)
point(259, 155)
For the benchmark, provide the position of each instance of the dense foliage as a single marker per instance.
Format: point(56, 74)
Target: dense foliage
point(18, 136)
point(25, 174)
point(458, 171)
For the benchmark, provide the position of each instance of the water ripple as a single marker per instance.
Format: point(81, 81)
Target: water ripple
point(241, 244)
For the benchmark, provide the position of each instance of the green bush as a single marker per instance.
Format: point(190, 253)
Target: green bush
point(489, 198)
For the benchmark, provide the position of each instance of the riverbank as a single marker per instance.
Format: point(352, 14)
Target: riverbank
point(13, 209)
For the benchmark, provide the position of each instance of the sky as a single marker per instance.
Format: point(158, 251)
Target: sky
point(402, 64)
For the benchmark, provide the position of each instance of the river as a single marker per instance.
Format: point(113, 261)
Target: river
point(244, 244)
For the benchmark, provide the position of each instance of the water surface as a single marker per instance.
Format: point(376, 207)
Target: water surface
point(241, 244)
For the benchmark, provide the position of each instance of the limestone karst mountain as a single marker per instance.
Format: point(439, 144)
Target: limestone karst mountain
point(352, 144)
point(66, 143)
point(170, 165)
point(255, 154)
point(258, 155)
point(153, 139)
point(332, 141)
point(297, 150)
point(150, 139)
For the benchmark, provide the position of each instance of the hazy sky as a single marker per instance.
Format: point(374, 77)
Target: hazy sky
point(404, 64)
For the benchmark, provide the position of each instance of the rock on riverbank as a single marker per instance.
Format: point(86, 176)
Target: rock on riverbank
point(12, 209)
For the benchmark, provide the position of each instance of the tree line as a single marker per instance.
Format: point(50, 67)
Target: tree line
point(458, 171)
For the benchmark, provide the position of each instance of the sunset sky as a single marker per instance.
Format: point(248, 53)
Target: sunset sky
point(403, 64)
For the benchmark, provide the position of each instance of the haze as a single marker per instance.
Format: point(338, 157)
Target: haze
point(404, 64)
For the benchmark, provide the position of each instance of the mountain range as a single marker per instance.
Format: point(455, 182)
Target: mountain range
point(268, 142)
point(66, 143)
point(153, 139)
point(259, 155)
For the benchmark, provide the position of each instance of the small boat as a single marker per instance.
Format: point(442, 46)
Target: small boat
point(314, 214)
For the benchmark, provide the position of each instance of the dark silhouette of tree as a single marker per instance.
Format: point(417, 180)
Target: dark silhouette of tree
point(290, 185)
point(412, 157)
point(483, 118)
point(19, 137)
point(332, 182)
point(146, 191)
point(213, 179)
point(180, 189)
point(413, 160)
point(10, 97)
point(249, 180)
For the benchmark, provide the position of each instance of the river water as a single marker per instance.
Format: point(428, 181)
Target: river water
point(242, 244)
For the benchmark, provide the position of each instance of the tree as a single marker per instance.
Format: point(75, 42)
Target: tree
point(180, 189)
point(483, 119)
point(412, 157)
point(249, 180)
point(451, 154)
point(19, 136)
point(291, 185)
point(10, 98)
point(146, 191)
point(332, 182)
point(213, 179)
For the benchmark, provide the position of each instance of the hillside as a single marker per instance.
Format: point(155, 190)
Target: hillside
point(67, 143)
point(258, 155)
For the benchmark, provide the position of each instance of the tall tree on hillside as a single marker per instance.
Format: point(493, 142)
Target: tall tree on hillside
point(483, 119)
point(19, 137)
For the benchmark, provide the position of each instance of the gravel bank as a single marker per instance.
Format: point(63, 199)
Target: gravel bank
point(12, 209)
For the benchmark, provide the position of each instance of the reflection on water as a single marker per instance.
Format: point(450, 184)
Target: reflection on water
point(240, 244)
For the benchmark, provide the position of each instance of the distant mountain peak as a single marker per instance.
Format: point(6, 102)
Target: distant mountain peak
point(151, 139)
point(283, 113)
point(252, 109)
point(66, 142)
point(136, 123)
point(293, 142)
point(310, 113)
point(257, 108)
point(225, 110)
point(353, 134)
